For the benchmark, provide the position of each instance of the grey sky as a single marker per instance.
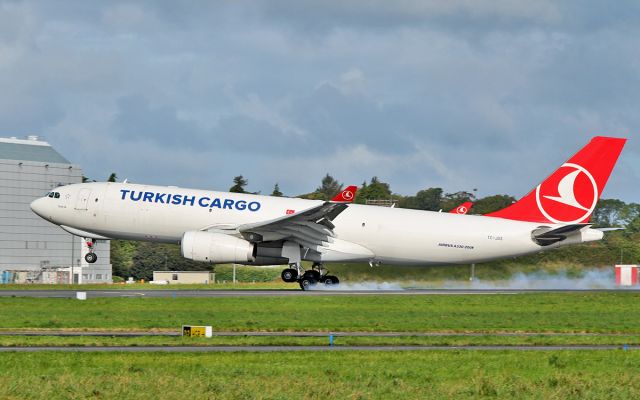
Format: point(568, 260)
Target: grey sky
point(487, 94)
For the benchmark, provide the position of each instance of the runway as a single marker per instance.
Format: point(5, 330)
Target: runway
point(283, 292)
point(263, 349)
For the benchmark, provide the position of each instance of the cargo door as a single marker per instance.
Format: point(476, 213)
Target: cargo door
point(83, 199)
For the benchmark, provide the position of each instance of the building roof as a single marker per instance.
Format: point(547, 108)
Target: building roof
point(30, 149)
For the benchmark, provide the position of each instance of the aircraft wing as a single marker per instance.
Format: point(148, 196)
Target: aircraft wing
point(311, 228)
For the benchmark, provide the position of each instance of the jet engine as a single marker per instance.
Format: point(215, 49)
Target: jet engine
point(216, 248)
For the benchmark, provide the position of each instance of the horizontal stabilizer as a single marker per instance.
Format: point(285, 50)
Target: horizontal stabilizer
point(608, 229)
point(546, 236)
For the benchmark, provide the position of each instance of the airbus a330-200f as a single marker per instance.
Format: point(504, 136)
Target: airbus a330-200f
point(221, 227)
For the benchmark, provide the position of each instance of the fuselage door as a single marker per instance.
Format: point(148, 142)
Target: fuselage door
point(83, 199)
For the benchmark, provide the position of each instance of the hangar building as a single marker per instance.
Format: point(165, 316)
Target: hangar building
point(33, 250)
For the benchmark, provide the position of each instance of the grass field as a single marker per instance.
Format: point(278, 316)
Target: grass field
point(408, 340)
point(336, 375)
point(305, 375)
point(615, 312)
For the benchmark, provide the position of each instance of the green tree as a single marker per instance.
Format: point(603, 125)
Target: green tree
point(453, 200)
point(329, 187)
point(150, 257)
point(122, 252)
point(276, 191)
point(112, 178)
point(239, 183)
point(427, 199)
point(375, 190)
point(631, 213)
point(491, 204)
point(633, 227)
point(608, 212)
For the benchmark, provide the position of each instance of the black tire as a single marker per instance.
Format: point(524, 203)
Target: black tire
point(307, 283)
point(90, 258)
point(289, 275)
point(312, 274)
point(330, 280)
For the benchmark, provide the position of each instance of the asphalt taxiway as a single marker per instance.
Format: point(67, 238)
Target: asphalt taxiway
point(278, 292)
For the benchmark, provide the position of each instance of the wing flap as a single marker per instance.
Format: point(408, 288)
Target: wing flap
point(311, 228)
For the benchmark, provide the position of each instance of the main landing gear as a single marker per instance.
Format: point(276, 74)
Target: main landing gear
point(90, 257)
point(307, 279)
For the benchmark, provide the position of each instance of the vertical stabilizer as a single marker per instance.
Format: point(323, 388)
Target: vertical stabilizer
point(571, 193)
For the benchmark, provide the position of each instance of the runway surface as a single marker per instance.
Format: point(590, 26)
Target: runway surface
point(278, 292)
point(209, 349)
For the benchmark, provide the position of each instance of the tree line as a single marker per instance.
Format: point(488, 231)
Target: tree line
point(608, 212)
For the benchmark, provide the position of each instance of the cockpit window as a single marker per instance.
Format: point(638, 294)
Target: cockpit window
point(53, 195)
point(50, 194)
point(57, 195)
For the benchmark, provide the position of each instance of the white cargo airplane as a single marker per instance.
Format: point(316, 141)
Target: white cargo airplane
point(221, 227)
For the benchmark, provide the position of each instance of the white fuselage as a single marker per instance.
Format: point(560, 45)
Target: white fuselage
point(390, 235)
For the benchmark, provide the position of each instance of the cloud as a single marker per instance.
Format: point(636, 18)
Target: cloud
point(380, 13)
point(136, 119)
point(457, 94)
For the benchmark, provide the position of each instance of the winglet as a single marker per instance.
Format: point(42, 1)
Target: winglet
point(462, 208)
point(346, 196)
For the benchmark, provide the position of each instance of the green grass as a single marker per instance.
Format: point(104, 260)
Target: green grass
point(452, 374)
point(445, 340)
point(335, 375)
point(531, 312)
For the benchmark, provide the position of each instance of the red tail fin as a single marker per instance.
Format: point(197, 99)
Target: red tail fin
point(462, 208)
point(347, 195)
point(570, 194)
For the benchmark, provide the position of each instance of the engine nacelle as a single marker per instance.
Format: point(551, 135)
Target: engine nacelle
point(216, 248)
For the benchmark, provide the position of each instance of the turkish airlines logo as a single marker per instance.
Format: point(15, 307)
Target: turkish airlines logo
point(569, 196)
point(347, 195)
point(461, 210)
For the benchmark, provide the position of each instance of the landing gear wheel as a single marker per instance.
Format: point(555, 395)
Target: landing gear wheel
point(312, 274)
point(90, 258)
point(289, 275)
point(330, 280)
point(307, 283)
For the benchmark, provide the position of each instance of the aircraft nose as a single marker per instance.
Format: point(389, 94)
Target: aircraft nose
point(38, 206)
